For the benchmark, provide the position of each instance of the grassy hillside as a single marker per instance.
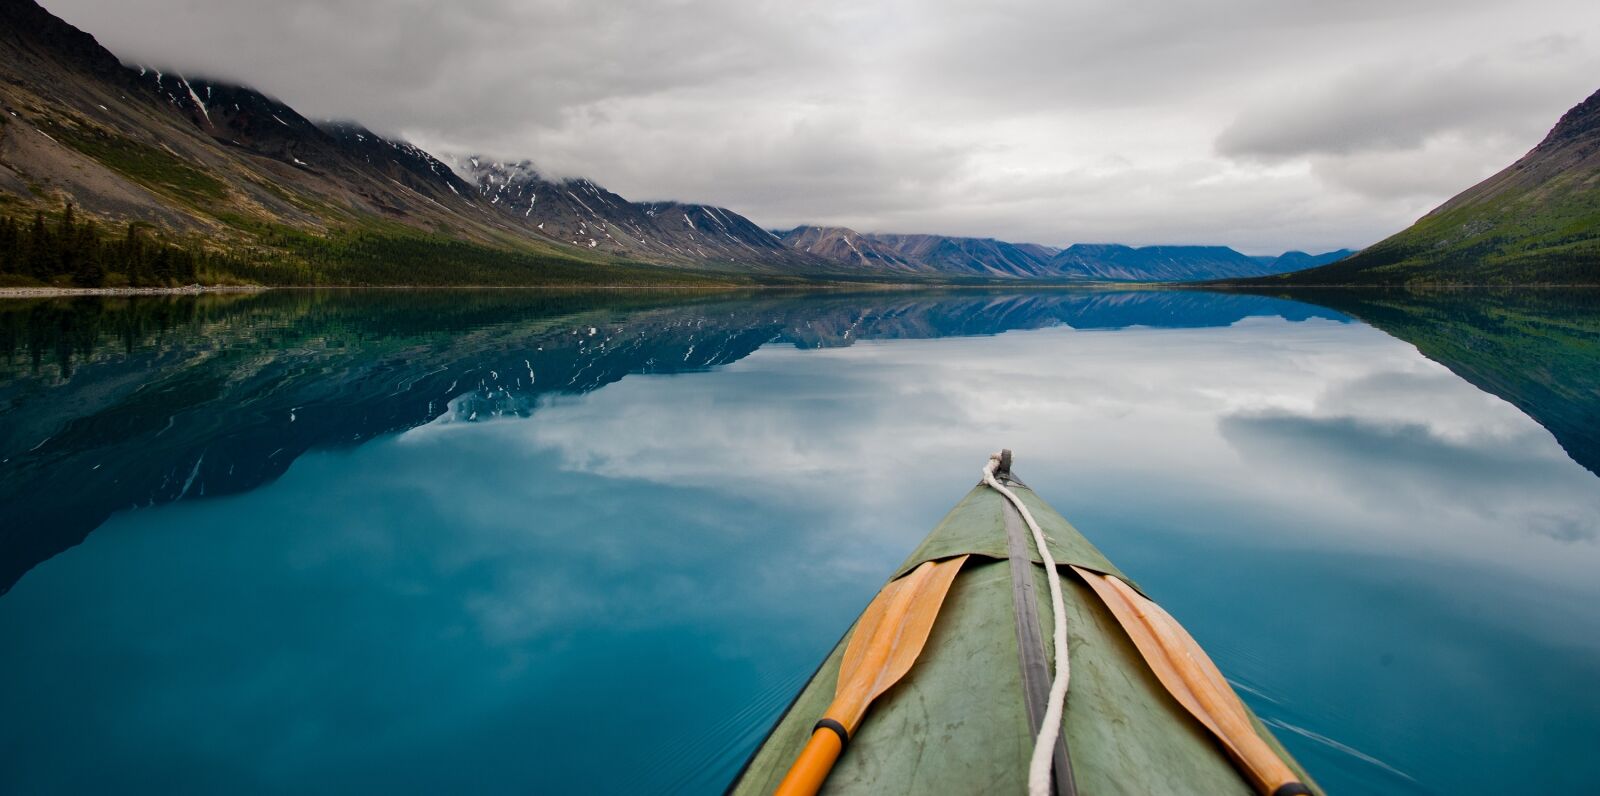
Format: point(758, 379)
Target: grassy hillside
point(1535, 235)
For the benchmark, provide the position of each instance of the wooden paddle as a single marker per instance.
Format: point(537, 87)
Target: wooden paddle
point(888, 638)
point(1193, 680)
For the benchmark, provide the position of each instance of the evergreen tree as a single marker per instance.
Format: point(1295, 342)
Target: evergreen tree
point(88, 270)
point(75, 249)
point(36, 254)
point(161, 266)
point(65, 259)
point(131, 257)
point(10, 243)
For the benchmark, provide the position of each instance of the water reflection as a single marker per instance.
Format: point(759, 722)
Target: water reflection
point(1537, 348)
point(148, 401)
point(614, 535)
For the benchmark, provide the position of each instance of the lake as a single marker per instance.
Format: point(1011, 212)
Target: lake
point(524, 541)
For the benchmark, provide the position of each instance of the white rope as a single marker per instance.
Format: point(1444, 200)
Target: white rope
point(1044, 745)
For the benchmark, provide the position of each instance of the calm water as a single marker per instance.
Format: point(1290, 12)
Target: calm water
point(523, 542)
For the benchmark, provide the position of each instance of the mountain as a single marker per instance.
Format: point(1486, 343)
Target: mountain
point(1117, 263)
point(580, 213)
point(1299, 261)
point(984, 258)
point(265, 195)
point(201, 160)
point(849, 247)
point(1535, 222)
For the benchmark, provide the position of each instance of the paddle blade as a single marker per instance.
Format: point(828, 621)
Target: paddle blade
point(889, 636)
point(1189, 675)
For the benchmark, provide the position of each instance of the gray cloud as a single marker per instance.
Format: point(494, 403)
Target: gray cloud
point(1262, 124)
point(1403, 104)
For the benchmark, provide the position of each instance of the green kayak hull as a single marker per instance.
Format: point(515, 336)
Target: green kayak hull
point(958, 722)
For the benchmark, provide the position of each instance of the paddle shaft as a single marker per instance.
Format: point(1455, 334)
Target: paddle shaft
point(805, 777)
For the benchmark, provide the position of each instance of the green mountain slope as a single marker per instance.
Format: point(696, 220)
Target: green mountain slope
point(1535, 223)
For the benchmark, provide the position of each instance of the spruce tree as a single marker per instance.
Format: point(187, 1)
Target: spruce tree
point(36, 253)
point(89, 268)
point(131, 256)
point(10, 245)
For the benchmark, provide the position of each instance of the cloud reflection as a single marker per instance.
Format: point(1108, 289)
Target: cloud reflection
point(1342, 434)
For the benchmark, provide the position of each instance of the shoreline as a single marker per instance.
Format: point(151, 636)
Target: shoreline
point(188, 290)
point(196, 290)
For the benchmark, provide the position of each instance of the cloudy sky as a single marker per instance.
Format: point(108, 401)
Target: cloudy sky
point(1262, 124)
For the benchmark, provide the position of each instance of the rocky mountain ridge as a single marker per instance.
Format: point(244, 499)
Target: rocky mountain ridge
point(581, 213)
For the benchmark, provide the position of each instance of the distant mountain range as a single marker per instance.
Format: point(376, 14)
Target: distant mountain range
point(1112, 262)
point(1083, 262)
point(283, 199)
point(1299, 261)
point(1535, 222)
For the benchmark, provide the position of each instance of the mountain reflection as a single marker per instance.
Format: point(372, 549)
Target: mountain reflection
point(146, 401)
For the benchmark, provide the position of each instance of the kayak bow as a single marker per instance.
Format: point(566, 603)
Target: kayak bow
point(1147, 711)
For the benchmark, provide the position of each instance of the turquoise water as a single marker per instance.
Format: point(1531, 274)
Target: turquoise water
point(522, 542)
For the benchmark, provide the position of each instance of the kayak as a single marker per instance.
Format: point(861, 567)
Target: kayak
point(964, 715)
